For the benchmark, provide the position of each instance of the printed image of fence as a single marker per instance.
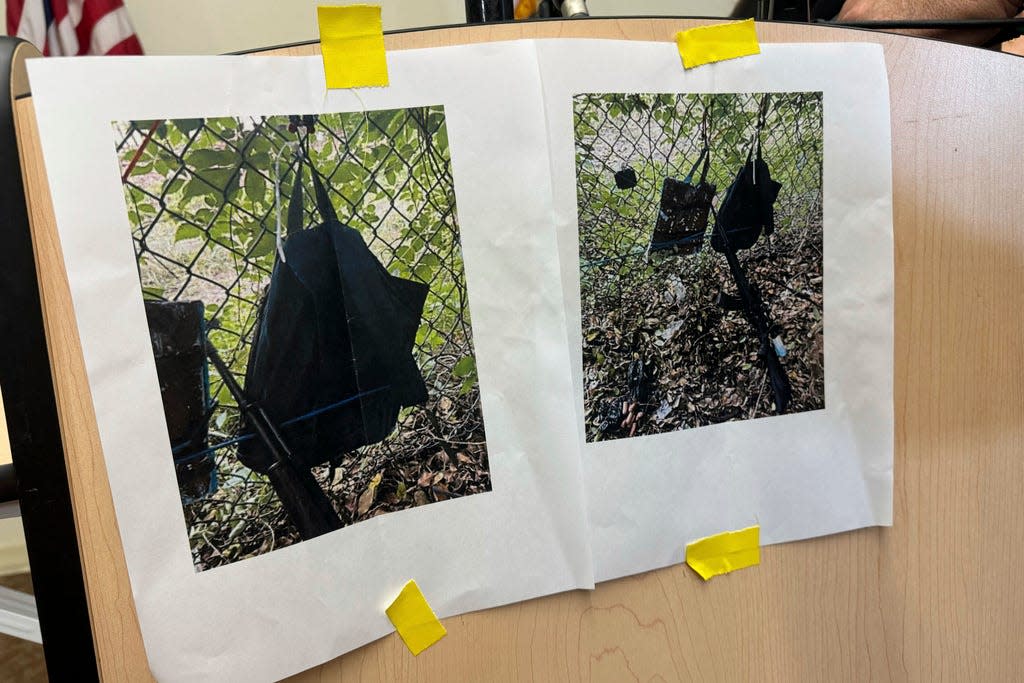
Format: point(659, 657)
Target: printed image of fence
point(670, 339)
point(210, 202)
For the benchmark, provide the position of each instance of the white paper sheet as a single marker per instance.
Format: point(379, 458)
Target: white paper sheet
point(276, 614)
point(509, 117)
point(797, 475)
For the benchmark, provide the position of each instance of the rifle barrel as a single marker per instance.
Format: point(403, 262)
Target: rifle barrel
point(758, 318)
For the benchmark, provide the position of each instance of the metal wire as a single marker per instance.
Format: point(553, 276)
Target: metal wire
point(659, 137)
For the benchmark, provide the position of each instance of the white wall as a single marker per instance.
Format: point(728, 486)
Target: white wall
point(660, 8)
point(215, 26)
point(13, 558)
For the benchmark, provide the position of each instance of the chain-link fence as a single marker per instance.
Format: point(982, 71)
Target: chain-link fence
point(207, 200)
point(656, 308)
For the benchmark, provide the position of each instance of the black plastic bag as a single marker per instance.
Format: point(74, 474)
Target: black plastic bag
point(625, 179)
point(682, 216)
point(331, 362)
point(683, 211)
point(748, 208)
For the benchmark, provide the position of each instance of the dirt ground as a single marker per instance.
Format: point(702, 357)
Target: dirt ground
point(700, 362)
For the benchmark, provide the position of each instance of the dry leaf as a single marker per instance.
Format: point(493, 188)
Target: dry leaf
point(366, 500)
point(368, 496)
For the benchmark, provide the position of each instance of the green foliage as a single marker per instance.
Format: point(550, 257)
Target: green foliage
point(202, 198)
point(202, 194)
point(465, 370)
point(660, 136)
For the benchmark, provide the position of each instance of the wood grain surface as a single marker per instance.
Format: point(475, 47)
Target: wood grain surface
point(936, 597)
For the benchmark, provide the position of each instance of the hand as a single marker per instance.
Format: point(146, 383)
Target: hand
point(1016, 45)
point(876, 10)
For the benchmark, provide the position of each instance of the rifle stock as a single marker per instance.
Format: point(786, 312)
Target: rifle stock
point(305, 503)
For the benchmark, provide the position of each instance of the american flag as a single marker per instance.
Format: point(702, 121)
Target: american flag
point(74, 27)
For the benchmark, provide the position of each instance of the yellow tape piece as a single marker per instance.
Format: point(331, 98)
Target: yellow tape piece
point(707, 44)
point(525, 8)
point(414, 620)
point(725, 552)
point(352, 43)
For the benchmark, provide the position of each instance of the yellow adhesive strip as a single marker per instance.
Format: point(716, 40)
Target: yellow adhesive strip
point(414, 620)
point(526, 8)
point(725, 552)
point(352, 43)
point(707, 44)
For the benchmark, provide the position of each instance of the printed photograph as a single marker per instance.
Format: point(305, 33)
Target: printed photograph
point(700, 255)
point(307, 306)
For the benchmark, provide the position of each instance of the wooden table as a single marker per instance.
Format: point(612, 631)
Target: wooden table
point(936, 597)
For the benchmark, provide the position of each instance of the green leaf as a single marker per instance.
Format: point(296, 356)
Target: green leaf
point(255, 185)
point(175, 185)
point(203, 159)
point(195, 187)
point(186, 126)
point(261, 159)
point(266, 245)
point(217, 177)
point(348, 172)
point(186, 231)
point(441, 140)
point(465, 367)
point(424, 273)
point(405, 253)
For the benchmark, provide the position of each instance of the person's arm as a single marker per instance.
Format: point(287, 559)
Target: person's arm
point(875, 10)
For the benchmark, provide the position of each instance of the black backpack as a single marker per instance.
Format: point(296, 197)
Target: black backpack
point(683, 211)
point(748, 208)
point(331, 362)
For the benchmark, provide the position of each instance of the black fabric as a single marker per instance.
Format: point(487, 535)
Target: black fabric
point(331, 361)
point(684, 207)
point(625, 179)
point(748, 207)
point(682, 216)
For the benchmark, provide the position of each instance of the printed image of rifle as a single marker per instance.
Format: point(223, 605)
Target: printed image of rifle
point(746, 213)
point(749, 301)
point(303, 500)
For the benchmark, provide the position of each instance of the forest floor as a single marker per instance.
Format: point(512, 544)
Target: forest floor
point(700, 362)
point(437, 452)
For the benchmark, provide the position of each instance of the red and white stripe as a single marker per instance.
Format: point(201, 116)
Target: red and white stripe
point(75, 27)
